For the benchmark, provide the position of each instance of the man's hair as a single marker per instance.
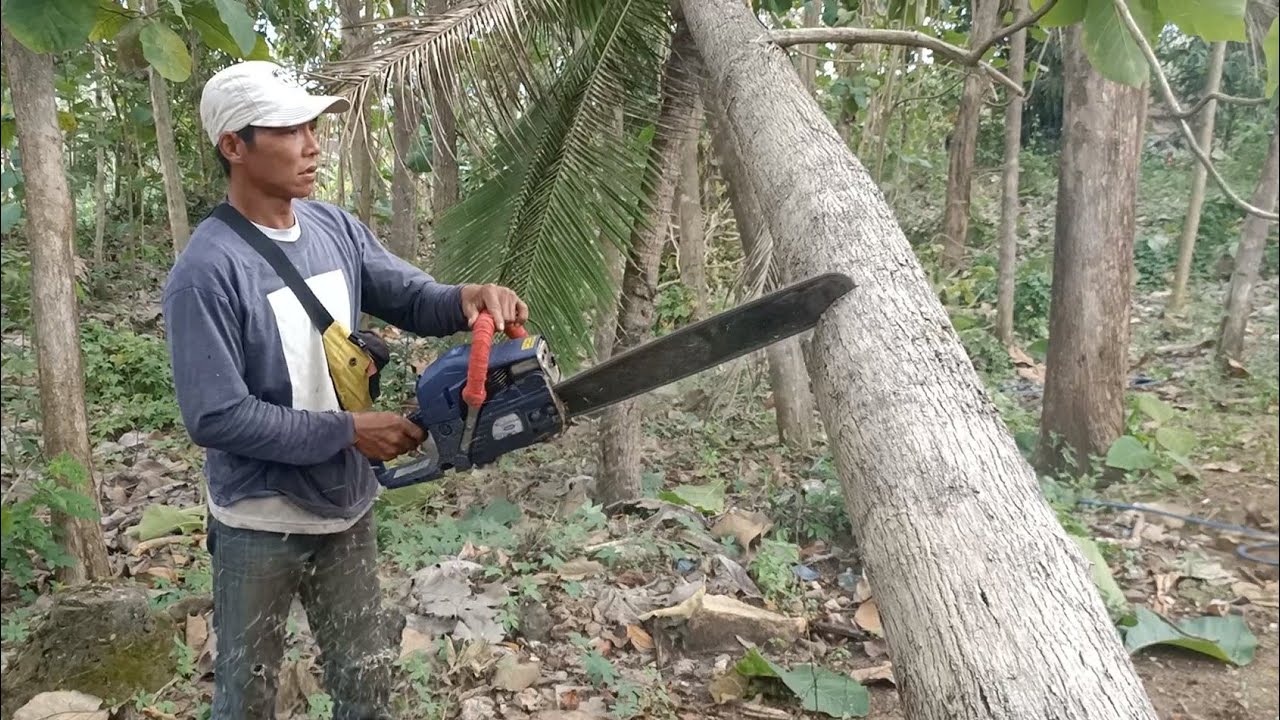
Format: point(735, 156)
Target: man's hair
point(246, 134)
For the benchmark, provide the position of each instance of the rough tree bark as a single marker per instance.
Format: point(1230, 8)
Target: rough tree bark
point(620, 434)
point(1087, 363)
point(404, 191)
point(693, 241)
point(1199, 177)
point(174, 195)
point(361, 159)
point(444, 135)
point(1253, 238)
point(614, 260)
point(964, 141)
point(1008, 262)
point(53, 300)
point(100, 176)
point(987, 604)
point(793, 404)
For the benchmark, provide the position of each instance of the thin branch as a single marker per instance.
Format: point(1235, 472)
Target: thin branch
point(1172, 101)
point(1223, 98)
point(976, 53)
point(905, 38)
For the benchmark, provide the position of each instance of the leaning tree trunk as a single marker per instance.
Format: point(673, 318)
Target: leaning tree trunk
point(1087, 363)
point(1200, 175)
point(1253, 238)
point(693, 241)
point(987, 603)
point(620, 434)
point(793, 404)
point(1008, 263)
point(174, 196)
point(404, 191)
point(53, 300)
point(964, 142)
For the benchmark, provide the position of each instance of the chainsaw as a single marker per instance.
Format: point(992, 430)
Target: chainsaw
point(482, 400)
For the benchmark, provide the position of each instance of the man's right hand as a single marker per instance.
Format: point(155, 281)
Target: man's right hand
point(385, 435)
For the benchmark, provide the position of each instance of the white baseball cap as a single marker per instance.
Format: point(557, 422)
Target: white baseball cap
point(256, 92)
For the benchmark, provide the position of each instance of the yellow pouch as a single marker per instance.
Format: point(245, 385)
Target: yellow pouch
point(349, 368)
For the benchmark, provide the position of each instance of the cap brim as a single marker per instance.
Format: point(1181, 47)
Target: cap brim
point(305, 111)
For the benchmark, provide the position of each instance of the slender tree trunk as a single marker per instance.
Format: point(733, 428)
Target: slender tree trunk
point(620, 432)
point(693, 241)
point(964, 142)
point(444, 135)
point(1088, 358)
point(53, 301)
point(404, 195)
point(1008, 263)
point(614, 260)
point(361, 159)
point(987, 604)
point(1253, 239)
point(100, 176)
point(793, 404)
point(174, 195)
point(1191, 225)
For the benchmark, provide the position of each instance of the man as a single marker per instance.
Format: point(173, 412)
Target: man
point(290, 484)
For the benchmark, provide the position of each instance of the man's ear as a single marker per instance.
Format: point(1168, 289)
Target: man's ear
point(232, 147)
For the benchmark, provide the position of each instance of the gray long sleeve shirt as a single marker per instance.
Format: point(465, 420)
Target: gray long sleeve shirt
point(249, 368)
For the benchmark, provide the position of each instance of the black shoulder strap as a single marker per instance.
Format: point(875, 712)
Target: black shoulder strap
point(278, 261)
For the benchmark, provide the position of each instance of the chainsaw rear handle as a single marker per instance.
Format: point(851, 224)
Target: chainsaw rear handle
point(473, 394)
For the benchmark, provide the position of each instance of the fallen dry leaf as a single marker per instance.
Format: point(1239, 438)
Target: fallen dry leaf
point(878, 673)
point(514, 676)
point(1235, 369)
point(1263, 596)
point(639, 638)
point(579, 569)
point(727, 687)
point(867, 617)
point(862, 592)
point(875, 648)
point(197, 632)
point(744, 527)
point(62, 705)
point(412, 641)
point(1227, 467)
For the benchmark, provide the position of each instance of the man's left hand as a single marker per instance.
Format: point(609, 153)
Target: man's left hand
point(502, 303)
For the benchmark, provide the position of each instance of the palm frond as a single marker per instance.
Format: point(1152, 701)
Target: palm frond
point(566, 179)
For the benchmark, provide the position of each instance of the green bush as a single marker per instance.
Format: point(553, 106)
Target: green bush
point(128, 380)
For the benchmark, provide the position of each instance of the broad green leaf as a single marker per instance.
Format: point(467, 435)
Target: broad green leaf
point(1127, 453)
point(8, 131)
point(165, 51)
point(1271, 46)
point(1110, 48)
point(1178, 441)
point(177, 8)
point(962, 322)
point(111, 19)
point(1112, 595)
point(10, 215)
point(753, 664)
point(1155, 408)
point(160, 520)
point(1066, 12)
point(67, 121)
point(1210, 20)
point(8, 179)
point(708, 498)
point(213, 32)
point(261, 51)
point(1224, 638)
point(238, 22)
point(51, 26)
point(818, 689)
point(830, 12)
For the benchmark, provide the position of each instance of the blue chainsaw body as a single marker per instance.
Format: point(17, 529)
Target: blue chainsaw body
point(520, 409)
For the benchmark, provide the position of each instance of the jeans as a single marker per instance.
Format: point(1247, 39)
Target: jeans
point(255, 577)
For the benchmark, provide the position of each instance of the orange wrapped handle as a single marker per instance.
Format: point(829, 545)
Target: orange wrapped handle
point(473, 393)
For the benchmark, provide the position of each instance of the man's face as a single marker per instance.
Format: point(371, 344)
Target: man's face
point(280, 162)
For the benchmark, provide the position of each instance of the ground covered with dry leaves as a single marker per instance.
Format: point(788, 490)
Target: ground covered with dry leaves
point(733, 589)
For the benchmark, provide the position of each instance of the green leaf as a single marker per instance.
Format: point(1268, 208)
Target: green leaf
point(830, 12)
point(753, 664)
point(51, 26)
point(1066, 12)
point(1108, 45)
point(1223, 638)
point(10, 215)
point(238, 22)
point(818, 689)
point(1112, 596)
point(1210, 20)
point(708, 498)
point(1178, 441)
point(1271, 46)
point(111, 18)
point(8, 179)
point(160, 520)
point(8, 131)
point(165, 51)
point(1155, 408)
point(1127, 453)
